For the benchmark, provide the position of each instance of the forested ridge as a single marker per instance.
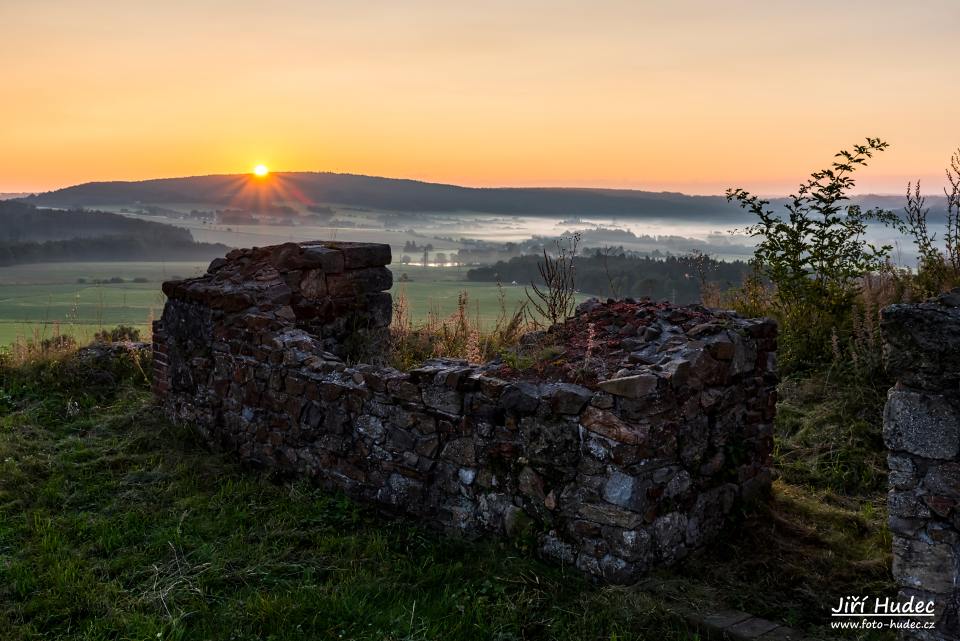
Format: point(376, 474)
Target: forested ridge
point(32, 235)
point(678, 278)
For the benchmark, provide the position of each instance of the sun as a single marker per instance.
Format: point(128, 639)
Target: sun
point(261, 170)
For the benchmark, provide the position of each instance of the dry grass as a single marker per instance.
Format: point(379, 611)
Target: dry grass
point(458, 335)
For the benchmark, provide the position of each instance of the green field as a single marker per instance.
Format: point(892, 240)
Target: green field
point(42, 300)
point(437, 290)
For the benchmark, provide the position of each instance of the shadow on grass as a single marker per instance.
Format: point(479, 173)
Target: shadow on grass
point(115, 524)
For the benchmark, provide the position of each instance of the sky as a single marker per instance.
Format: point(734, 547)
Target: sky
point(687, 95)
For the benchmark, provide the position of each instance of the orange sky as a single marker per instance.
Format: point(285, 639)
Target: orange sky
point(683, 95)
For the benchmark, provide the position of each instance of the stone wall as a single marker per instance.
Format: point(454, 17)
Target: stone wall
point(922, 431)
point(630, 472)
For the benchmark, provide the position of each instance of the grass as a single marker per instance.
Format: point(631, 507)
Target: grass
point(436, 290)
point(68, 273)
point(829, 435)
point(116, 524)
point(40, 300)
point(796, 557)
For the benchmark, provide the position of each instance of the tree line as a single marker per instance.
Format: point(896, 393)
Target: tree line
point(31, 235)
point(615, 273)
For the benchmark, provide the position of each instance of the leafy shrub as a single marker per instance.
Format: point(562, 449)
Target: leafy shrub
point(117, 334)
point(815, 255)
point(61, 343)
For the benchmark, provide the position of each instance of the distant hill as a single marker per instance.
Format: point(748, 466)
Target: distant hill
point(31, 235)
point(241, 190)
point(937, 205)
point(21, 222)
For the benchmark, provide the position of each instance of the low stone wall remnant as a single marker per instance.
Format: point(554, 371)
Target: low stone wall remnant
point(632, 470)
point(921, 428)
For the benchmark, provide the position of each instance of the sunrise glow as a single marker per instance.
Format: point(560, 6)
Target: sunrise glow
point(261, 171)
point(688, 96)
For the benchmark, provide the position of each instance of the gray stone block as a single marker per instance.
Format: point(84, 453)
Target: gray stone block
point(751, 628)
point(636, 386)
point(924, 566)
point(921, 423)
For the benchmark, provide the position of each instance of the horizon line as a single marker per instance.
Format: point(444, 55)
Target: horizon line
point(441, 184)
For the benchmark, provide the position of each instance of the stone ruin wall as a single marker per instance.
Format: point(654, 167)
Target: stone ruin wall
point(922, 431)
point(634, 473)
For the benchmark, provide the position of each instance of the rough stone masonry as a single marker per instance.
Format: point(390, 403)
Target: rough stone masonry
point(632, 472)
point(922, 431)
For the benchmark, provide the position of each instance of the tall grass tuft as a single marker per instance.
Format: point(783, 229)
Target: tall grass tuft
point(458, 335)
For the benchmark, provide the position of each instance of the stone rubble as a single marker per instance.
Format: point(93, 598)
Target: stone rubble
point(616, 478)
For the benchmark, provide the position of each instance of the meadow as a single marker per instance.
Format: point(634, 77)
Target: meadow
point(40, 301)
